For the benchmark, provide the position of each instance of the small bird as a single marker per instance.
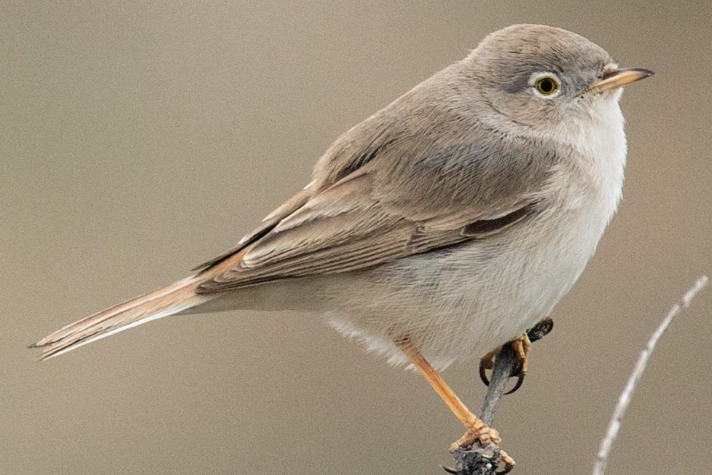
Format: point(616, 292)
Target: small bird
point(441, 227)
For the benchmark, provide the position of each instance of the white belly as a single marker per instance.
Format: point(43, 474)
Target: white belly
point(463, 302)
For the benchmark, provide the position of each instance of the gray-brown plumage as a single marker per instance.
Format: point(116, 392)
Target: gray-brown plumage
point(458, 215)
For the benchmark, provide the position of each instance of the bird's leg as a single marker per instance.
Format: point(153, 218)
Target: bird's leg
point(521, 346)
point(477, 431)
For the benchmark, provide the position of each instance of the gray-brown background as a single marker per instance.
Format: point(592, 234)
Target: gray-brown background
point(138, 140)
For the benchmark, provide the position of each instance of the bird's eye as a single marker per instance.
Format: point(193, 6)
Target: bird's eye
point(547, 85)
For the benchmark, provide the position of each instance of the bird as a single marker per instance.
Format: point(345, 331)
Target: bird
point(439, 228)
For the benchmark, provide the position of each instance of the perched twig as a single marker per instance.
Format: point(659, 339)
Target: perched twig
point(478, 460)
point(625, 397)
point(504, 365)
point(486, 460)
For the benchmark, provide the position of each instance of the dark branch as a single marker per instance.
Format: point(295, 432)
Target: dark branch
point(504, 365)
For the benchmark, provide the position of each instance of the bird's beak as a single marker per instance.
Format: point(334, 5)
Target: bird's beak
point(616, 78)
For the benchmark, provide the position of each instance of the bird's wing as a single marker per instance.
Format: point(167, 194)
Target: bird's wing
point(369, 218)
point(345, 229)
point(417, 176)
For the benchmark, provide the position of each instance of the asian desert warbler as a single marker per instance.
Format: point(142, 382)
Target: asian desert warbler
point(444, 225)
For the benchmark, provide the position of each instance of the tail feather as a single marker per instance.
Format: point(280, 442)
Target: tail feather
point(160, 303)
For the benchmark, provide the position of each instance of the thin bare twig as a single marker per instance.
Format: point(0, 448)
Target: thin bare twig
point(625, 397)
point(486, 460)
point(504, 364)
point(478, 460)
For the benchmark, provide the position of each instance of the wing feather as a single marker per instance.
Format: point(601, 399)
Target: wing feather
point(320, 240)
point(416, 177)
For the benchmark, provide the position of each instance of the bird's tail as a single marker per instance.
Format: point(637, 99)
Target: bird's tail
point(175, 298)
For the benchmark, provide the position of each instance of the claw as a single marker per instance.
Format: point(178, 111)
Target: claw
point(506, 470)
point(537, 332)
point(487, 362)
point(483, 374)
point(516, 371)
point(520, 381)
point(508, 461)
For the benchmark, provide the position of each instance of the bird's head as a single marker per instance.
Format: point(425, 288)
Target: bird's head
point(540, 76)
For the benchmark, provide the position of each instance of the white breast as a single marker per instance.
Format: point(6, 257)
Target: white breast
point(600, 141)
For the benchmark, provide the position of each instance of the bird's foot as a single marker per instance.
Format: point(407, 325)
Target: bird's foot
point(480, 461)
point(486, 437)
point(521, 346)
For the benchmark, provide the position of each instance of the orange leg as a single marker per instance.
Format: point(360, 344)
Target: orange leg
point(477, 431)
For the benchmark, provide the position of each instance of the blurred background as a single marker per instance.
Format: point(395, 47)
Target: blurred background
point(140, 139)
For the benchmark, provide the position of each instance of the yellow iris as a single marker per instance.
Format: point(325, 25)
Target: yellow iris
point(547, 85)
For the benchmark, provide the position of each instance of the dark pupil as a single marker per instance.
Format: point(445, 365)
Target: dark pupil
point(546, 86)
